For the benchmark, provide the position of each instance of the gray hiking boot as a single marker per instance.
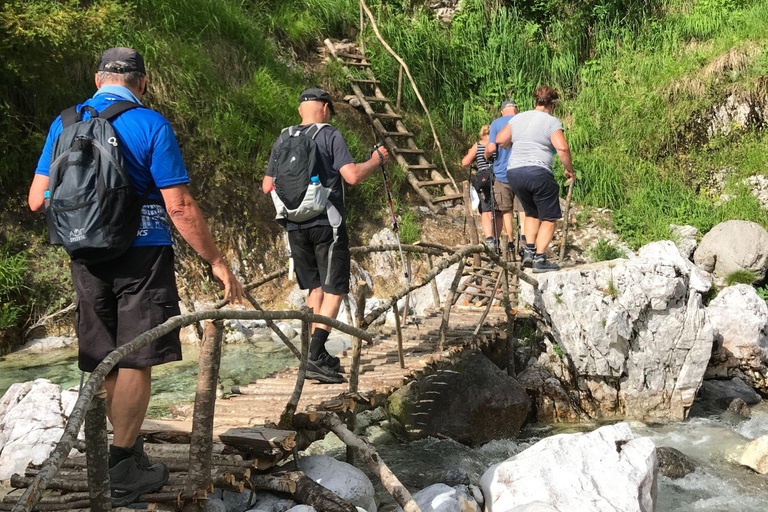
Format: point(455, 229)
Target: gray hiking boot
point(333, 362)
point(134, 476)
point(542, 265)
point(492, 244)
point(527, 261)
point(320, 369)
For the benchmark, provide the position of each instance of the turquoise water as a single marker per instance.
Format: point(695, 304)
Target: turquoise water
point(172, 384)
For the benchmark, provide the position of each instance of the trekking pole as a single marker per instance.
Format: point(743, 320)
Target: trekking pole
point(395, 225)
point(565, 220)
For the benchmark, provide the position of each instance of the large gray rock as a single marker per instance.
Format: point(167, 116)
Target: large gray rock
point(344, 479)
point(716, 396)
point(739, 318)
point(442, 498)
point(267, 502)
point(732, 246)
point(32, 420)
point(634, 337)
point(471, 402)
point(608, 470)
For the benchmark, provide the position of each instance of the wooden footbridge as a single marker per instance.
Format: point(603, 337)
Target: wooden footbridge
point(230, 442)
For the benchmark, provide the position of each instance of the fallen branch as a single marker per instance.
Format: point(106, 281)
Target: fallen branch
point(272, 325)
point(46, 318)
point(367, 452)
point(420, 248)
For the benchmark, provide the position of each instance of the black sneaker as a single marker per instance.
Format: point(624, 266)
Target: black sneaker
point(542, 265)
point(527, 258)
point(134, 476)
point(333, 362)
point(321, 370)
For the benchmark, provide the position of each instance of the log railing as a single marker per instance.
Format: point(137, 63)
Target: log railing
point(90, 403)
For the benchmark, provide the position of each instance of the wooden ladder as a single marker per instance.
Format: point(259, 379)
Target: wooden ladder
point(423, 175)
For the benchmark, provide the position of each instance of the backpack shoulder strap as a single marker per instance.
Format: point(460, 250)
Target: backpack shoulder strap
point(317, 127)
point(118, 108)
point(70, 117)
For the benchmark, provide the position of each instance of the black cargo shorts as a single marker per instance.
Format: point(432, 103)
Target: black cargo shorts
point(119, 299)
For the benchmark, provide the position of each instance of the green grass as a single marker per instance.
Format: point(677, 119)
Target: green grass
point(604, 250)
point(740, 277)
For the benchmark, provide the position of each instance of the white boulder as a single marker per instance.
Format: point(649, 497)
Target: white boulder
point(755, 455)
point(32, 419)
point(685, 239)
point(346, 480)
point(607, 470)
point(739, 318)
point(442, 498)
point(633, 335)
point(732, 246)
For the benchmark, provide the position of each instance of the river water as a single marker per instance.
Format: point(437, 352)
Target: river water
point(719, 484)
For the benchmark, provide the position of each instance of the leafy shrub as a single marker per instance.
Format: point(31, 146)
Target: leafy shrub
point(13, 272)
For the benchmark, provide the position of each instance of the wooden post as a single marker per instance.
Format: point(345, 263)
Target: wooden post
point(399, 329)
point(357, 342)
point(399, 89)
point(201, 440)
point(97, 453)
point(286, 418)
point(362, 30)
point(435, 292)
point(448, 303)
point(565, 222)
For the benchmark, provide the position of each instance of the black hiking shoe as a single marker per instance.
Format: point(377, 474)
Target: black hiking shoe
point(333, 362)
point(320, 369)
point(542, 265)
point(134, 476)
point(527, 258)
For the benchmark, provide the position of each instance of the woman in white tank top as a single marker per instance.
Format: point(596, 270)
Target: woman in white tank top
point(534, 137)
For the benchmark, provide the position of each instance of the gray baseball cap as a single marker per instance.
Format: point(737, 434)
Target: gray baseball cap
point(508, 103)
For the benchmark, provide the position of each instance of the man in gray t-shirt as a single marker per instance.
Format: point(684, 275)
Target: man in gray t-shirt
point(322, 260)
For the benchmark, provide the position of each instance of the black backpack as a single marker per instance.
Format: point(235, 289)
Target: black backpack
point(94, 210)
point(483, 178)
point(298, 193)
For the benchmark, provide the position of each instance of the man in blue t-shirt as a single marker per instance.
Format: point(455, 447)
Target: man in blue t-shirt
point(505, 200)
point(124, 297)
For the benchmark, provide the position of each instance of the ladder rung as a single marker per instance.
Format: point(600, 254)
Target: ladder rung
point(422, 167)
point(350, 55)
point(364, 81)
point(358, 64)
point(409, 151)
point(444, 181)
point(397, 134)
point(386, 116)
point(376, 99)
point(450, 197)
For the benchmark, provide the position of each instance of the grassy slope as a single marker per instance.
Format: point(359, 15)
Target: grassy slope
point(638, 80)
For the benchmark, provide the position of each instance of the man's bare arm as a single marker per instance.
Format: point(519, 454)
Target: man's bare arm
point(189, 220)
point(37, 190)
point(358, 173)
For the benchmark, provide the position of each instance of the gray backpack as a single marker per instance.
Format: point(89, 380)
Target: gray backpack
point(94, 210)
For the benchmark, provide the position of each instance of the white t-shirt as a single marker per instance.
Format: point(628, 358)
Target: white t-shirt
point(532, 139)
